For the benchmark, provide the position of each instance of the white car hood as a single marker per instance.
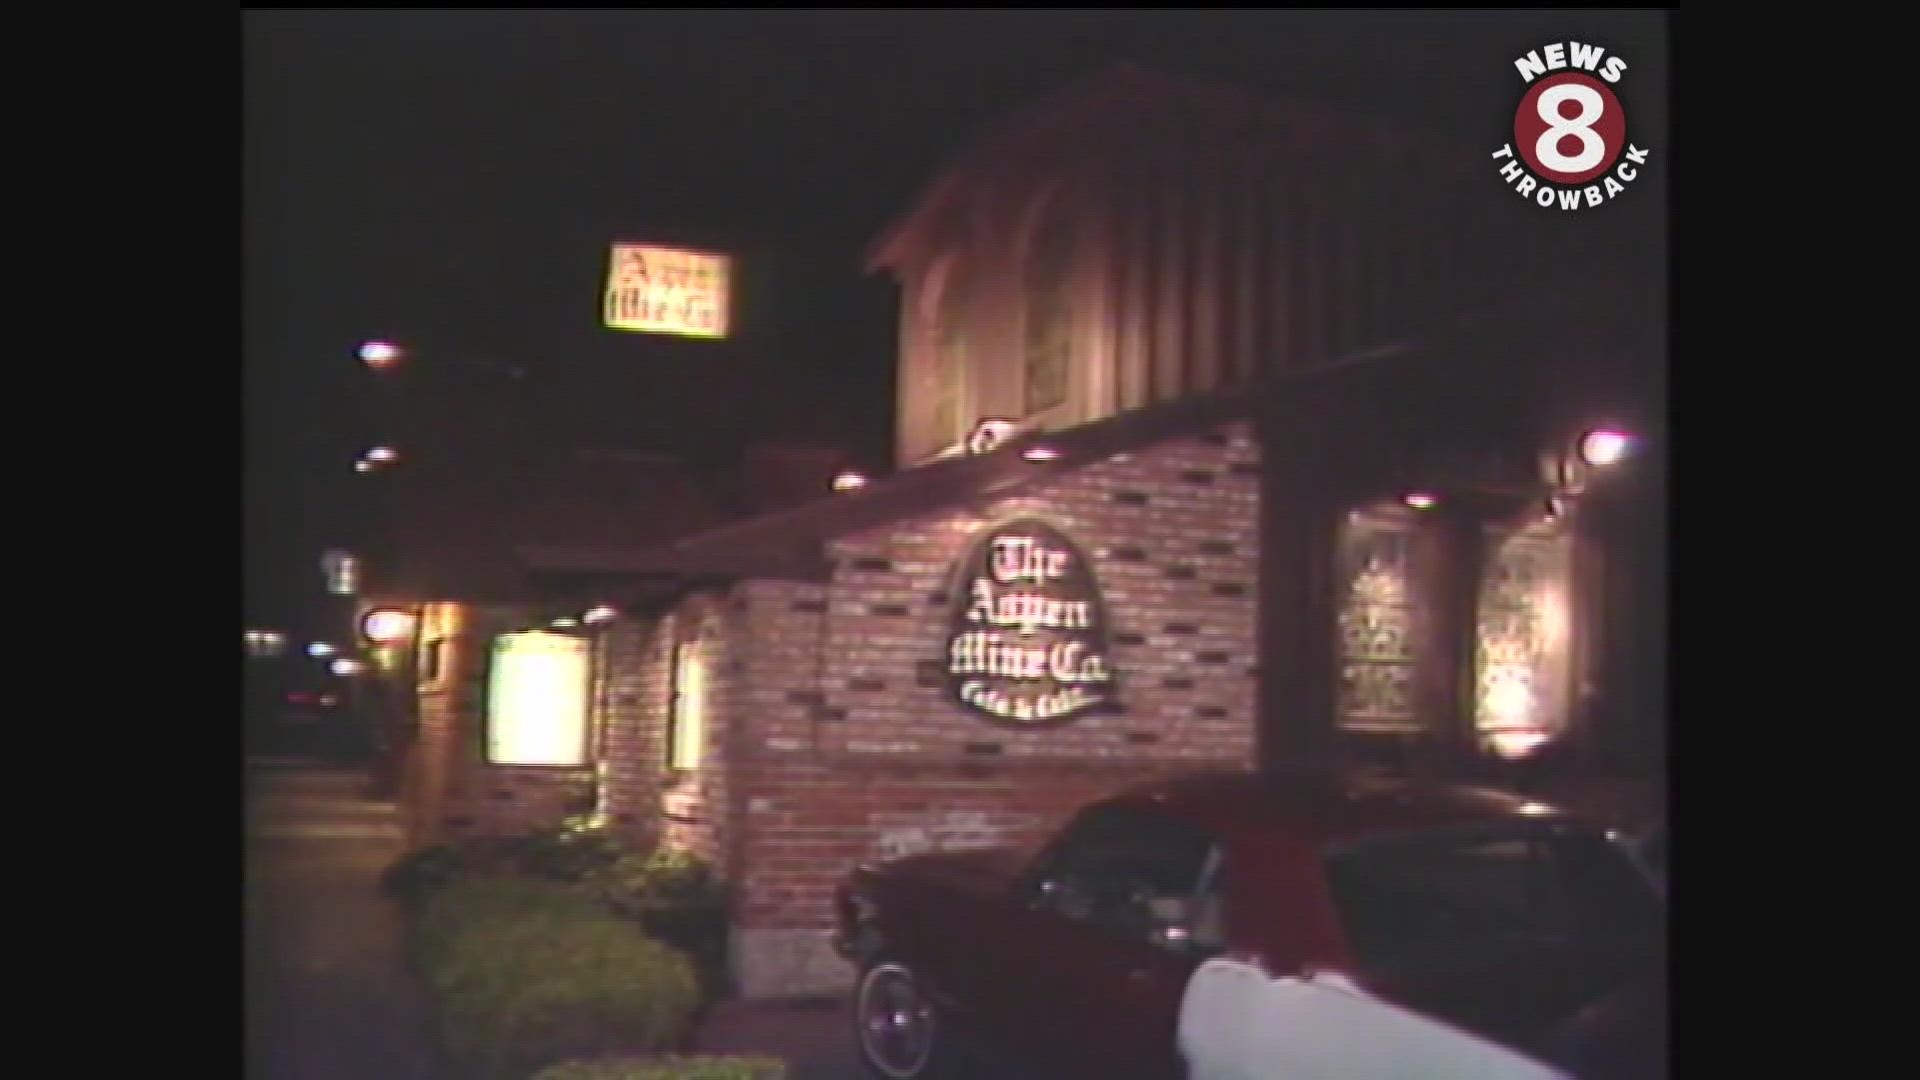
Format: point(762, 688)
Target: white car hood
point(1237, 1023)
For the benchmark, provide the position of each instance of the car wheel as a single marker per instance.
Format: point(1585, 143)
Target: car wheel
point(896, 1024)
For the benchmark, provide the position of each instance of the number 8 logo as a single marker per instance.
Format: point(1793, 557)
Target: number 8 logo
point(1593, 149)
point(1569, 128)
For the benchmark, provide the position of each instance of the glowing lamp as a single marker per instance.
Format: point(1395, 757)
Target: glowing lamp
point(1420, 500)
point(1040, 453)
point(565, 623)
point(344, 666)
point(363, 465)
point(386, 626)
point(1604, 446)
point(320, 649)
point(849, 481)
point(600, 614)
point(988, 435)
point(383, 455)
point(379, 355)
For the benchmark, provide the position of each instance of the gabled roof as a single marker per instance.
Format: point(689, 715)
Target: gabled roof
point(1104, 99)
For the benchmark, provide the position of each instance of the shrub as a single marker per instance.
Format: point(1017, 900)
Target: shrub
point(719, 1067)
point(491, 899)
point(677, 898)
point(528, 973)
point(419, 874)
point(569, 852)
point(636, 884)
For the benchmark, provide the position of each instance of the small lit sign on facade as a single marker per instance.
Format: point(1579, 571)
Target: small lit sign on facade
point(662, 290)
point(1028, 643)
point(266, 644)
point(537, 688)
point(342, 570)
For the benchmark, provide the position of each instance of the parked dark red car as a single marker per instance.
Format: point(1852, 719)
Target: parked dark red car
point(1495, 914)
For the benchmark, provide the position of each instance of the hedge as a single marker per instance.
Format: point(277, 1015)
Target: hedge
point(526, 974)
point(716, 1067)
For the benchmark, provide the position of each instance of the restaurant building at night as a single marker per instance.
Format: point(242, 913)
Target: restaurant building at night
point(1232, 433)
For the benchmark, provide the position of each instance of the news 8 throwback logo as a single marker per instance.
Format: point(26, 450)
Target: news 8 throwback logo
point(1570, 147)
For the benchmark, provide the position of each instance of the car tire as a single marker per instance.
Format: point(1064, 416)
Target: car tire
point(896, 1026)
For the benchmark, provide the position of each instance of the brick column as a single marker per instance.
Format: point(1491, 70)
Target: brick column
point(1455, 555)
point(1299, 519)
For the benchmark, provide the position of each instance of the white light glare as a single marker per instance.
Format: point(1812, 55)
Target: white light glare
point(1605, 446)
point(376, 354)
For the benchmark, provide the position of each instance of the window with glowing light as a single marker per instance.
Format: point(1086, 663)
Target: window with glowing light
point(537, 700)
point(432, 660)
point(687, 714)
point(1048, 329)
point(1376, 622)
point(1523, 651)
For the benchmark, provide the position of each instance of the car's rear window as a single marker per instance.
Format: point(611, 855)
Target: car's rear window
point(1438, 899)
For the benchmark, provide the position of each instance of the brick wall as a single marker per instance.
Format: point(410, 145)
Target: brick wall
point(632, 752)
point(642, 796)
point(830, 735)
point(849, 747)
point(453, 791)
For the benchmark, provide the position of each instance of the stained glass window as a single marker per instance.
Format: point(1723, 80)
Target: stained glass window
point(1049, 314)
point(1523, 651)
point(1376, 628)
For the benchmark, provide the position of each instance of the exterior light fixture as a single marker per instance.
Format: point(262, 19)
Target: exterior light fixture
point(320, 650)
point(344, 666)
point(989, 434)
point(1421, 500)
point(1605, 446)
point(849, 481)
point(1040, 453)
point(600, 614)
point(382, 455)
point(380, 355)
point(363, 466)
point(387, 626)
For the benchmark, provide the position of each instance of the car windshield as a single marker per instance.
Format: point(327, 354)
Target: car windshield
point(1439, 899)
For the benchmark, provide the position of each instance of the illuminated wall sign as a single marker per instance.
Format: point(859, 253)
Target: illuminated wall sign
point(1028, 642)
point(537, 699)
point(661, 290)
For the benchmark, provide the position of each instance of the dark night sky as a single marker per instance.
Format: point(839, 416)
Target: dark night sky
point(453, 180)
